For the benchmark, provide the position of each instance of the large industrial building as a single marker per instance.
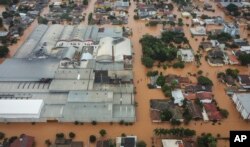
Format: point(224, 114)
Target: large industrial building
point(69, 73)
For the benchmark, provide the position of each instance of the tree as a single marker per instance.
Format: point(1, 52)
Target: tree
point(59, 135)
point(204, 81)
point(94, 122)
point(48, 142)
point(42, 20)
point(244, 59)
point(232, 72)
point(1, 135)
point(167, 90)
point(147, 61)
point(175, 122)
point(187, 116)
point(85, 2)
point(5, 2)
point(1, 22)
point(92, 138)
point(232, 7)
point(166, 115)
point(4, 50)
point(206, 140)
point(72, 135)
point(224, 113)
point(102, 132)
point(160, 80)
point(141, 144)
point(90, 18)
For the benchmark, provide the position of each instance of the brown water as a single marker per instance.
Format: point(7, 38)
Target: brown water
point(143, 127)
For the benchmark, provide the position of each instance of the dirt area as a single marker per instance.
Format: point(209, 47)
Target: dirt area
point(143, 127)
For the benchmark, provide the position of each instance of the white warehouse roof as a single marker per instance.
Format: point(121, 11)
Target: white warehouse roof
point(12, 108)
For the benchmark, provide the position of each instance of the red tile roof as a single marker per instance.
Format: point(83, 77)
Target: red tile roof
point(233, 59)
point(204, 95)
point(190, 96)
point(23, 141)
point(212, 112)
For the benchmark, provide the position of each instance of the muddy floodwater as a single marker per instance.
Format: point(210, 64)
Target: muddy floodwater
point(143, 127)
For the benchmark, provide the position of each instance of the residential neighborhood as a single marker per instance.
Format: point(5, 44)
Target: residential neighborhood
point(123, 73)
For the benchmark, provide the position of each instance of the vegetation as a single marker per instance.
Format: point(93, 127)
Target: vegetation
point(94, 123)
point(92, 138)
point(233, 9)
point(205, 81)
point(155, 49)
point(187, 116)
point(42, 20)
point(160, 80)
point(174, 132)
point(232, 72)
point(179, 65)
point(59, 135)
point(175, 122)
point(176, 37)
point(244, 59)
point(166, 115)
point(102, 132)
point(166, 90)
point(4, 50)
point(72, 135)
point(206, 140)
point(5, 2)
point(2, 135)
point(222, 37)
point(147, 61)
point(224, 113)
point(200, 72)
point(48, 142)
point(141, 144)
point(136, 17)
point(85, 2)
point(152, 73)
point(90, 18)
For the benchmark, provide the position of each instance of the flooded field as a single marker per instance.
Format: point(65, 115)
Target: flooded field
point(143, 127)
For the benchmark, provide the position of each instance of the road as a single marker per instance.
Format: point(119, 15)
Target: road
point(143, 127)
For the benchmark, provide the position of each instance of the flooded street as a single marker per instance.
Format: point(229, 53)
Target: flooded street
point(143, 128)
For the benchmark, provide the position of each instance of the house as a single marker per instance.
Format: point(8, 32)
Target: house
point(190, 96)
point(231, 29)
point(207, 46)
point(23, 141)
point(172, 143)
point(245, 49)
point(233, 60)
point(197, 88)
point(121, 5)
point(185, 14)
point(188, 8)
point(198, 31)
point(217, 57)
point(178, 97)
point(195, 110)
point(244, 79)
point(240, 42)
point(128, 141)
point(186, 55)
point(146, 12)
point(62, 142)
point(205, 97)
point(103, 143)
point(242, 102)
point(212, 112)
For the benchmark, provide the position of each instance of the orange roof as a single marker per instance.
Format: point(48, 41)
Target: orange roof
point(190, 96)
point(233, 59)
point(204, 95)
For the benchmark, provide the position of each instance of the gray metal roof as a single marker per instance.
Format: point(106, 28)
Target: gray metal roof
point(28, 70)
point(91, 96)
point(244, 99)
point(31, 42)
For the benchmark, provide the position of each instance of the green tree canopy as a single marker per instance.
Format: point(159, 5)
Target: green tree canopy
point(141, 144)
point(160, 80)
point(206, 140)
point(4, 50)
point(244, 59)
point(166, 115)
point(205, 81)
point(102, 132)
